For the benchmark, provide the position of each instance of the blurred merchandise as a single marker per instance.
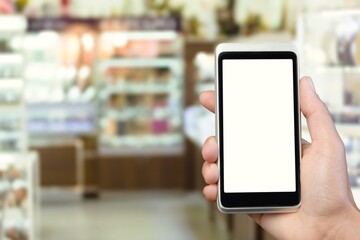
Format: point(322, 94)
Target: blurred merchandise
point(330, 43)
point(316, 6)
point(60, 56)
point(6, 7)
point(12, 132)
point(18, 200)
point(199, 123)
point(329, 40)
point(140, 79)
point(259, 15)
point(18, 169)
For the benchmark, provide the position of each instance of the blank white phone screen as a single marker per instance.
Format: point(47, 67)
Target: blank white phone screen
point(258, 125)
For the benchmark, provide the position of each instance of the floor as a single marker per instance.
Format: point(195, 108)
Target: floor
point(127, 215)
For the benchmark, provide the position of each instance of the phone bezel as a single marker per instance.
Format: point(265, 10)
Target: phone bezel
point(263, 200)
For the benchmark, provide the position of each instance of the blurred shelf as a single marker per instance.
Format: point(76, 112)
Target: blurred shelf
point(68, 107)
point(62, 118)
point(11, 83)
point(133, 112)
point(351, 110)
point(22, 216)
point(139, 62)
point(11, 58)
point(164, 140)
point(140, 35)
point(59, 129)
point(127, 114)
point(10, 107)
point(137, 89)
point(142, 151)
point(343, 12)
point(15, 24)
point(346, 68)
point(4, 136)
point(352, 130)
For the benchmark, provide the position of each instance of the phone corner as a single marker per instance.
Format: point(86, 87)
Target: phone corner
point(221, 208)
point(297, 207)
point(220, 48)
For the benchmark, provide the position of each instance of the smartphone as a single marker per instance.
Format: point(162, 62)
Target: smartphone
point(258, 128)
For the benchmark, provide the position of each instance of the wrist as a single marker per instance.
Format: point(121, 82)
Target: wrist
point(348, 227)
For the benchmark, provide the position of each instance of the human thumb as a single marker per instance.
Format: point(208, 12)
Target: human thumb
point(317, 115)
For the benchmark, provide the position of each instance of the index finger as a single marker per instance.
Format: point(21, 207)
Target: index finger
point(207, 99)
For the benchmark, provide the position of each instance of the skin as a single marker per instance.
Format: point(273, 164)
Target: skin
point(328, 210)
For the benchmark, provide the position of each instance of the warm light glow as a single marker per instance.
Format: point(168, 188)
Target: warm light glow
point(88, 42)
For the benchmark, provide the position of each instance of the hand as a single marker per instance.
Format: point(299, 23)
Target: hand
point(327, 208)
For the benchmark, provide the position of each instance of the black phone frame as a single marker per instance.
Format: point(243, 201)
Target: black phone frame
point(259, 199)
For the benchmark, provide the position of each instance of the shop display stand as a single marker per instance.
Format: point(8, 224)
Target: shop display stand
point(329, 40)
point(18, 168)
point(140, 91)
point(61, 98)
point(19, 195)
point(60, 93)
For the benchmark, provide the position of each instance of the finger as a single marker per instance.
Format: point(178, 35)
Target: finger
point(257, 217)
point(210, 192)
point(317, 115)
point(207, 99)
point(210, 150)
point(304, 146)
point(210, 173)
point(304, 142)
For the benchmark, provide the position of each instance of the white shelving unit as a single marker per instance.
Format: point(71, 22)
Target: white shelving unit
point(18, 168)
point(12, 134)
point(140, 93)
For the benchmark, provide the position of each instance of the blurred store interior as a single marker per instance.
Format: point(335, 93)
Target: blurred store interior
point(100, 125)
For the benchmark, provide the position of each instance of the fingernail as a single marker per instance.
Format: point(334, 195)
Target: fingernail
point(312, 84)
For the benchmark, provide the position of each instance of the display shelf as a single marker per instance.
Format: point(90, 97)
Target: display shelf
point(62, 118)
point(137, 89)
point(12, 24)
point(9, 107)
point(19, 186)
point(18, 168)
point(143, 151)
point(328, 40)
point(351, 130)
point(199, 124)
point(12, 133)
point(140, 77)
point(145, 140)
point(11, 58)
point(60, 91)
point(133, 62)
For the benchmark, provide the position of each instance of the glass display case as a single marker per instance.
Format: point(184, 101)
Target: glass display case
point(140, 79)
point(329, 41)
point(60, 92)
